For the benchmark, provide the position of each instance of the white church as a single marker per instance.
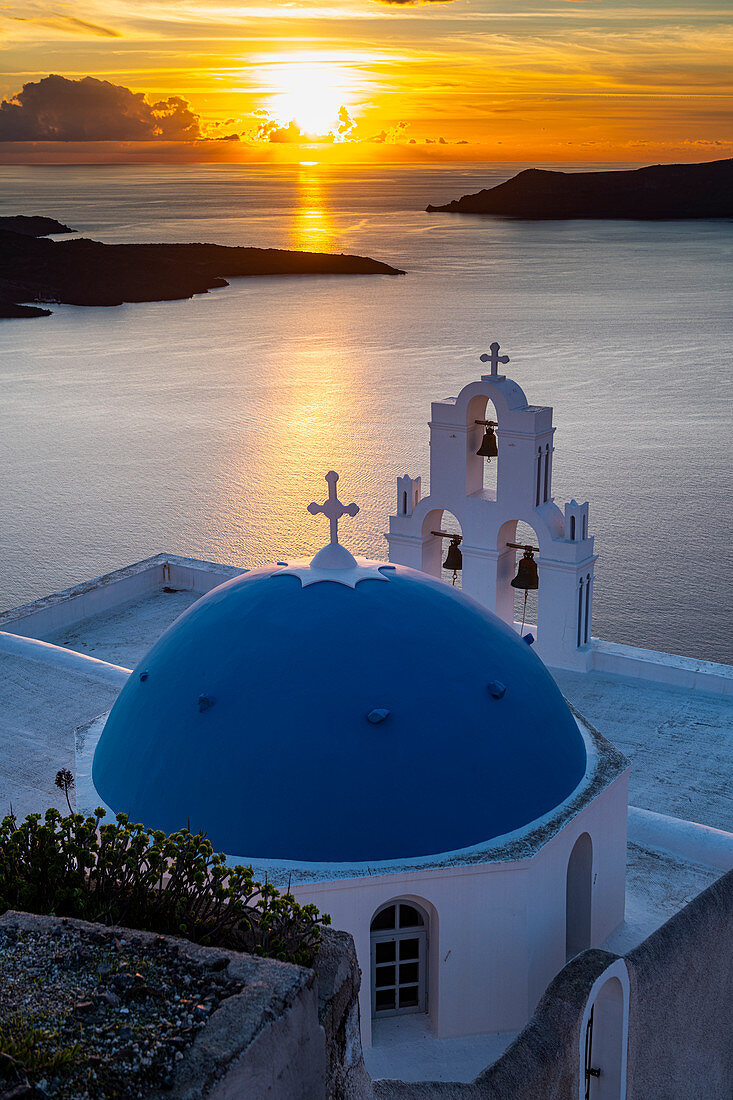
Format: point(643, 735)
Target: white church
point(436, 793)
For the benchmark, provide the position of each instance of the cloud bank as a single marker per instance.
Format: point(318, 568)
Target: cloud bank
point(58, 109)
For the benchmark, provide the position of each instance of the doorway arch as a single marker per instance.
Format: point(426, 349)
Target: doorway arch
point(579, 897)
point(399, 959)
point(604, 1037)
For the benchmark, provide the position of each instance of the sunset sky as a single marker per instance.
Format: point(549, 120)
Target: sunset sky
point(346, 80)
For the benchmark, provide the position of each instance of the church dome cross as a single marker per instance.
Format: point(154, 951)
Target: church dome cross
point(332, 508)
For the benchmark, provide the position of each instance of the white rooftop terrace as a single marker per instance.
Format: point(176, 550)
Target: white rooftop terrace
point(677, 737)
point(65, 657)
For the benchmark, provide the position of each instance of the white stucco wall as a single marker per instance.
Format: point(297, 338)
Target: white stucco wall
point(497, 930)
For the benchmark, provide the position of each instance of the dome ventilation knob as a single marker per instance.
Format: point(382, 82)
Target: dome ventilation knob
point(497, 690)
point(377, 715)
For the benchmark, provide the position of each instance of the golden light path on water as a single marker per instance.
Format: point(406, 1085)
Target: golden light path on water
point(313, 226)
point(318, 421)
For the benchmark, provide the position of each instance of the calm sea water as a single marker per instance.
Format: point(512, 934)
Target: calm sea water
point(204, 427)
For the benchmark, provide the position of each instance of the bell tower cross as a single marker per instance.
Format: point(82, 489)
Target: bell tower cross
point(494, 359)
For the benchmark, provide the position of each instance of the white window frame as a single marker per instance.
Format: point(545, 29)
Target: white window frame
point(396, 935)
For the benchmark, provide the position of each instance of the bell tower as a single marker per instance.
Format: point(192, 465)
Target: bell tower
point(495, 408)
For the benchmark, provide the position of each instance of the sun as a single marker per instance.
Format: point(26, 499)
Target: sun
point(311, 94)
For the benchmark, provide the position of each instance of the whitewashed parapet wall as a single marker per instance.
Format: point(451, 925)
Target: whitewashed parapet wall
point(488, 516)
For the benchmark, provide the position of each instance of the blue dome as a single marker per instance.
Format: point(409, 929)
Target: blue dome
point(253, 719)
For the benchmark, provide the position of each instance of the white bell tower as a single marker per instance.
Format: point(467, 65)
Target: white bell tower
point(488, 517)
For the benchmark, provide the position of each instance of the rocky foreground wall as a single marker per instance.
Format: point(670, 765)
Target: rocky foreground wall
point(285, 1033)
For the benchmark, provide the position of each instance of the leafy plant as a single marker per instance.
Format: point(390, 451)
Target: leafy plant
point(122, 873)
point(27, 1050)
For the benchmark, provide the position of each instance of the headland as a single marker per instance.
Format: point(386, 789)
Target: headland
point(84, 272)
point(663, 191)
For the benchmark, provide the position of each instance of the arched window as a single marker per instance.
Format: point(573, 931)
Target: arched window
point(587, 608)
point(578, 897)
point(585, 527)
point(399, 937)
point(580, 612)
point(572, 528)
point(404, 503)
point(539, 475)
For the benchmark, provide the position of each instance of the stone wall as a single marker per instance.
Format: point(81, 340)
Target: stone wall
point(339, 979)
point(681, 1025)
point(292, 1033)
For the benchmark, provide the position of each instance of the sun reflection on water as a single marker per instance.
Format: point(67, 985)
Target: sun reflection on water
point(313, 227)
point(262, 504)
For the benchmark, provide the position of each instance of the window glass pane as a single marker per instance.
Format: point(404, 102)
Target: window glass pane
point(385, 952)
point(384, 920)
point(409, 949)
point(383, 999)
point(408, 973)
point(385, 975)
point(408, 996)
point(409, 916)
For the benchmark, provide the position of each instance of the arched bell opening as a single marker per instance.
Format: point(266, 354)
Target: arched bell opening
point(442, 556)
point(519, 577)
point(579, 897)
point(482, 446)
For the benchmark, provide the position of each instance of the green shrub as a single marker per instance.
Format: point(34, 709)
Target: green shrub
point(27, 1050)
point(76, 866)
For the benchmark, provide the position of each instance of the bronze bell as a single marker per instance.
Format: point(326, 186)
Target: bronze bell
point(454, 557)
point(488, 448)
point(527, 575)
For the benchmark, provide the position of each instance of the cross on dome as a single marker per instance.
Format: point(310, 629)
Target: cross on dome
point(332, 508)
point(334, 562)
point(494, 359)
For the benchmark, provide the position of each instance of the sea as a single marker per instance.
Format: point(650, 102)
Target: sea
point(204, 427)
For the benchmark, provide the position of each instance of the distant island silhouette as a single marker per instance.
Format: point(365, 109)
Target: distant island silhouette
point(83, 272)
point(663, 191)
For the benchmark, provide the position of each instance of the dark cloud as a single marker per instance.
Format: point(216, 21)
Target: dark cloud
point(392, 136)
point(411, 3)
point(61, 22)
point(57, 109)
